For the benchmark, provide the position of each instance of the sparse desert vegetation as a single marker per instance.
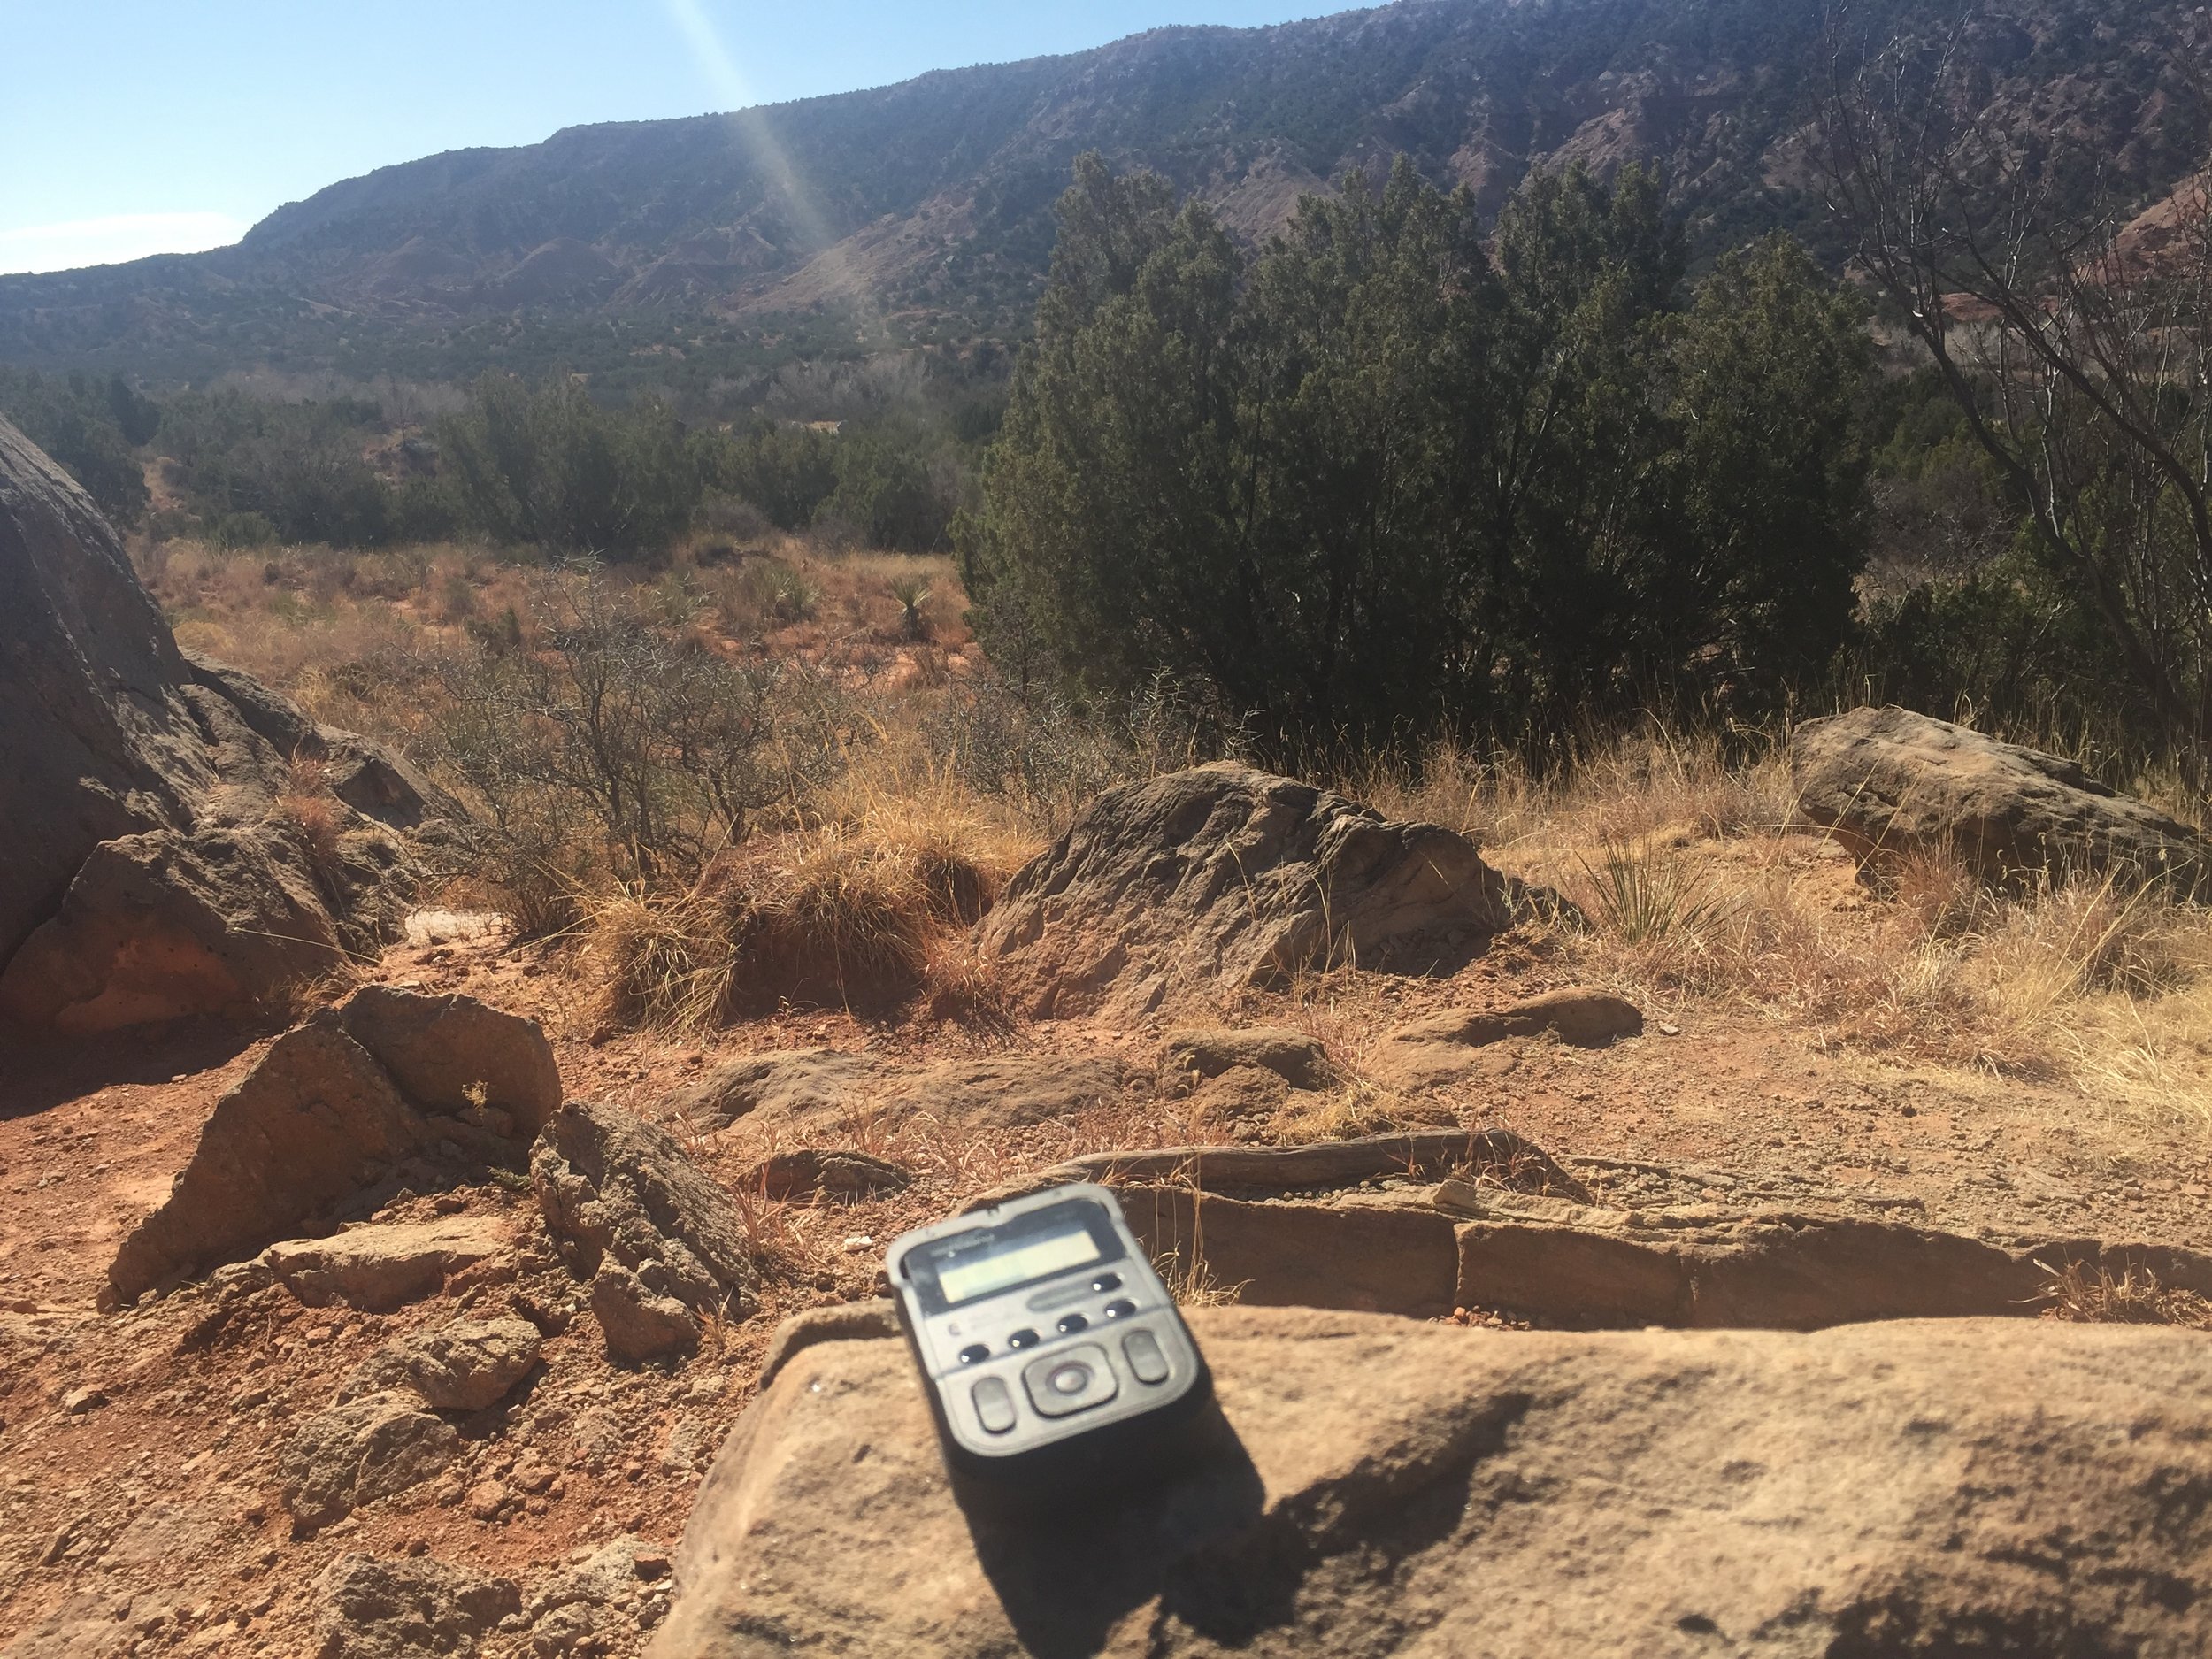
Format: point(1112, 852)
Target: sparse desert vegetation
point(1579, 786)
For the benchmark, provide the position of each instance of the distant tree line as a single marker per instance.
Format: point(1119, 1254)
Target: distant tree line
point(1393, 476)
point(539, 465)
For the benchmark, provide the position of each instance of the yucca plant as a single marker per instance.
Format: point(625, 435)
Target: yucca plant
point(912, 593)
point(1645, 898)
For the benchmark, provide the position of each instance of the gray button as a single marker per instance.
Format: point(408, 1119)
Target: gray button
point(993, 1404)
point(1145, 1358)
point(1073, 1380)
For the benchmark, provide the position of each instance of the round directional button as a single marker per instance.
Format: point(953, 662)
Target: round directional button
point(1069, 1379)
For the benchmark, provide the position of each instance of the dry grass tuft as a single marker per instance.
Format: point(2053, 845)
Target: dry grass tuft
point(863, 912)
point(314, 813)
point(2134, 1298)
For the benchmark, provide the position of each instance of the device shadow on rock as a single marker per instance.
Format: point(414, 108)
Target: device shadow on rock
point(1181, 1532)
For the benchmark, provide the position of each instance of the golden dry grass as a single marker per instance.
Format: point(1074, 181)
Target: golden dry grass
point(1681, 855)
point(2135, 1297)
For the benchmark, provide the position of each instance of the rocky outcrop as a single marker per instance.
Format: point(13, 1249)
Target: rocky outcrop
point(154, 868)
point(661, 1240)
point(324, 1119)
point(1222, 877)
point(1376, 1486)
point(1891, 781)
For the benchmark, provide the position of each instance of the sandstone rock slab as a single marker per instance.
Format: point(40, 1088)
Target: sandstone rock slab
point(1298, 1057)
point(318, 1121)
point(816, 1094)
point(1006, 1092)
point(811, 1171)
point(641, 1321)
point(381, 1266)
point(1223, 877)
point(781, 1086)
point(454, 1055)
point(1440, 1051)
point(1889, 781)
point(1385, 1486)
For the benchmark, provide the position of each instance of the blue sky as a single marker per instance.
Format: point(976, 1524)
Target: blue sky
point(136, 126)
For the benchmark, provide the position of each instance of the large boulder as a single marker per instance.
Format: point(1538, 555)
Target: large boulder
point(1891, 781)
point(662, 1241)
point(154, 868)
point(324, 1117)
point(1376, 1486)
point(1221, 877)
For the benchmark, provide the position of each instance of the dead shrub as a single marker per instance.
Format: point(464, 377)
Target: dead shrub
point(2134, 1298)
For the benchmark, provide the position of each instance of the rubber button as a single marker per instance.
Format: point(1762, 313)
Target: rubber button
point(1073, 1380)
point(973, 1353)
point(1070, 1322)
point(993, 1404)
point(1022, 1338)
point(1142, 1350)
point(1107, 1281)
point(1120, 1308)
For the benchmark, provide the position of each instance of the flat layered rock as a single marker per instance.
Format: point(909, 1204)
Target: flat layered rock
point(781, 1086)
point(817, 1093)
point(1441, 1050)
point(381, 1266)
point(1378, 1486)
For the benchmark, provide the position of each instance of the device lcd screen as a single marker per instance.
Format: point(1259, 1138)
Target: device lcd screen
point(988, 1260)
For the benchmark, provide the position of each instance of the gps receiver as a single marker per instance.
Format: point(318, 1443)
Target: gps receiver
point(1046, 1343)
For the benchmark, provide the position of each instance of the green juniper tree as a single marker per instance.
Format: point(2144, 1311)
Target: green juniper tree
point(1387, 478)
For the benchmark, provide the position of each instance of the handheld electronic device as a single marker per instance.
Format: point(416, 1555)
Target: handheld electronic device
point(1046, 1343)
